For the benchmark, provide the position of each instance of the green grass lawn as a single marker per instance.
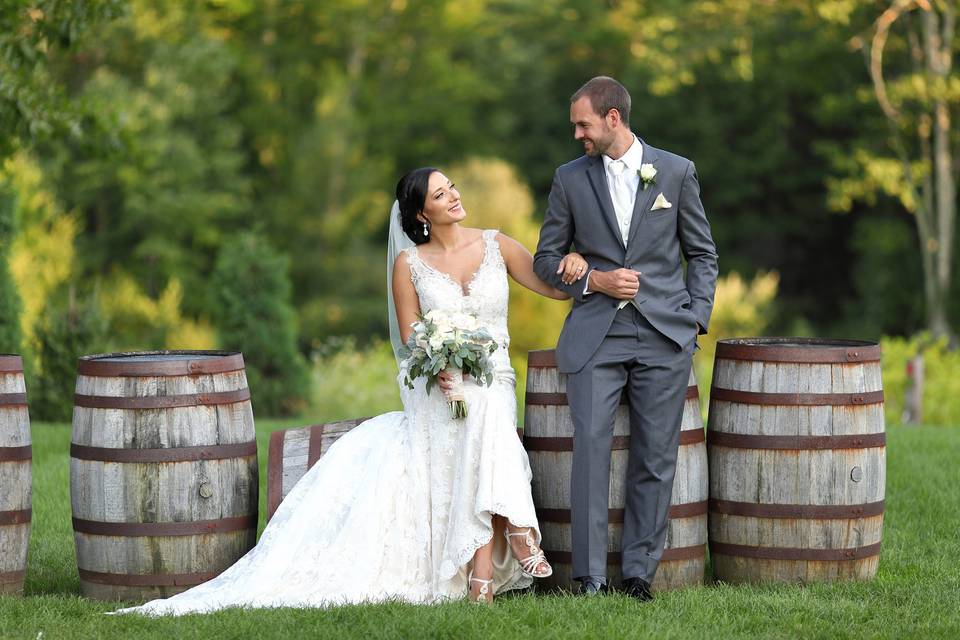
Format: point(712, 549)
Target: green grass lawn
point(915, 595)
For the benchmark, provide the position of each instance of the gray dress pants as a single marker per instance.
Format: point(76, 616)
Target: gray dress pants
point(653, 371)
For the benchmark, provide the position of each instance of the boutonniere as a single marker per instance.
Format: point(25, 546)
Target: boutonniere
point(648, 175)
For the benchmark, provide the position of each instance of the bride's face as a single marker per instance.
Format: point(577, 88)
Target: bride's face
point(442, 204)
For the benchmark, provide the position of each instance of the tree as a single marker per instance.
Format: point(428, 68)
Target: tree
point(919, 105)
point(253, 314)
point(9, 300)
point(907, 47)
point(33, 101)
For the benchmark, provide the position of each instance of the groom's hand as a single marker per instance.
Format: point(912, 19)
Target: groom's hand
point(622, 284)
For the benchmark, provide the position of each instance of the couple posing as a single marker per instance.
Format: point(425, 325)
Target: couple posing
point(417, 506)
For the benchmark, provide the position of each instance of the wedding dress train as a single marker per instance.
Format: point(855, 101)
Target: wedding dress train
point(397, 507)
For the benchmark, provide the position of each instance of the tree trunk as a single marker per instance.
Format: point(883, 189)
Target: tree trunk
point(938, 41)
point(931, 48)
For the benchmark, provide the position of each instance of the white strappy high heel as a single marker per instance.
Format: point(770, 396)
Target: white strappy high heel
point(484, 589)
point(532, 561)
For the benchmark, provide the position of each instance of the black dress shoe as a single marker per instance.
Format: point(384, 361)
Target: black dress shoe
point(592, 586)
point(637, 588)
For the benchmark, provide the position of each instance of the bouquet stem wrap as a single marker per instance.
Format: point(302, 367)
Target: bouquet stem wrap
point(455, 397)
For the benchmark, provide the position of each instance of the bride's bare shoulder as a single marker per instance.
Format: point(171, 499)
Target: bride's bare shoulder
point(401, 264)
point(508, 244)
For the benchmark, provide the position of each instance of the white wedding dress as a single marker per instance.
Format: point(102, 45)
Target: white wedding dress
point(397, 507)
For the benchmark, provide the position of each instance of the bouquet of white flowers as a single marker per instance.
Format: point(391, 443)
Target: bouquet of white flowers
point(453, 342)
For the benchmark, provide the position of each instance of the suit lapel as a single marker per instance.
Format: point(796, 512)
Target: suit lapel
point(598, 180)
point(645, 197)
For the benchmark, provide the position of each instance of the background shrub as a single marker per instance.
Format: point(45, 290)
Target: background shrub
point(9, 300)
point(252, 312)
point(941, 390)
point(71, 326)
point(348, 382)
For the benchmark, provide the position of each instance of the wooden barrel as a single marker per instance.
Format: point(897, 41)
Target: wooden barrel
point(15, 458)
point(163, 471)
point(294, 451)
point(548, 439)
point(797, 454)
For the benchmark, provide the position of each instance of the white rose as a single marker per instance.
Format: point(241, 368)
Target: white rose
point(464, 321)
point(436, 315)
point(436, 341)
point(647, 172)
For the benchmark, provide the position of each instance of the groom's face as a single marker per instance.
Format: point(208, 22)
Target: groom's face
point(589, 128)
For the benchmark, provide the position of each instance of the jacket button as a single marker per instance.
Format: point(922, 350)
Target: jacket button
point(613, 304)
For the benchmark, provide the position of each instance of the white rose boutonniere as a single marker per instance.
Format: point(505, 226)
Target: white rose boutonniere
point(648, 175)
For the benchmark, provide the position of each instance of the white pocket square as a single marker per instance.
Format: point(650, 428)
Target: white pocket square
point(660, 203)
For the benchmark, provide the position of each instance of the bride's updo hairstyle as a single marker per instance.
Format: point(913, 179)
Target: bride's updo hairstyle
point(411, 195)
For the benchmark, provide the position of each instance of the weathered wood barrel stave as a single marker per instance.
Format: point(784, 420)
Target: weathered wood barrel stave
point(294, 451)
point(796, 445)
point(163, 471)
point(548, 438)
point(15, 475)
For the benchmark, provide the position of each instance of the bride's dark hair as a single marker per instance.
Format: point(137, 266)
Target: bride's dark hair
point(411, 195)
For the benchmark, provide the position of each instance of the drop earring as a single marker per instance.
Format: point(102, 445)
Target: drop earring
point(426, 230)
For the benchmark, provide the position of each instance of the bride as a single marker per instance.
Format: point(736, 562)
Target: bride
point(411, 505)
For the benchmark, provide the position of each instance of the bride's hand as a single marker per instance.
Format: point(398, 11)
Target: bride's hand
point(446, 384)
point(573, 267)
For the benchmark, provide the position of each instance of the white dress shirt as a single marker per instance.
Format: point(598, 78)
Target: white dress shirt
point(623, 201)
point(628, 167)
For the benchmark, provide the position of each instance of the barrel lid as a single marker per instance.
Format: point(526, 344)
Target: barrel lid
point(799, 350)
point(10, 363)
point(159, 363)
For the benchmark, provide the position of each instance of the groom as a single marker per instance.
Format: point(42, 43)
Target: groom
point(633, 212)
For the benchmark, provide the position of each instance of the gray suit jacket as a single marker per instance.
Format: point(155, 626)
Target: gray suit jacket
point(580, 213)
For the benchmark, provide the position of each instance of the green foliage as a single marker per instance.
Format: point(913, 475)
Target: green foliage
point(886, 254)
point(253, 314)
point(162, 183)
point(139, 322)
point(741, 309)
point(348, 382)
point(42, 256)
point(194, 119)
point(33, 99)
point(72, 326)
point(941, 378)
point(10, 307)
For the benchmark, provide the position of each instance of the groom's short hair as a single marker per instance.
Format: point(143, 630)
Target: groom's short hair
point(605, 93)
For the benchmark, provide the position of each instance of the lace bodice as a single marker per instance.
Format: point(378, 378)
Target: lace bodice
point(487, 292)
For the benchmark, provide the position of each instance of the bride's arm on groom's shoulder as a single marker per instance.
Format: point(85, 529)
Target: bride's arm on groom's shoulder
point(405, 297)
point(519, 263)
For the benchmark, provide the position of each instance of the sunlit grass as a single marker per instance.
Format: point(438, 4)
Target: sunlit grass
point(916, 592)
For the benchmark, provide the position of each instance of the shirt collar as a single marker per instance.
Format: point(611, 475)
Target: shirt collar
point(632, 158)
